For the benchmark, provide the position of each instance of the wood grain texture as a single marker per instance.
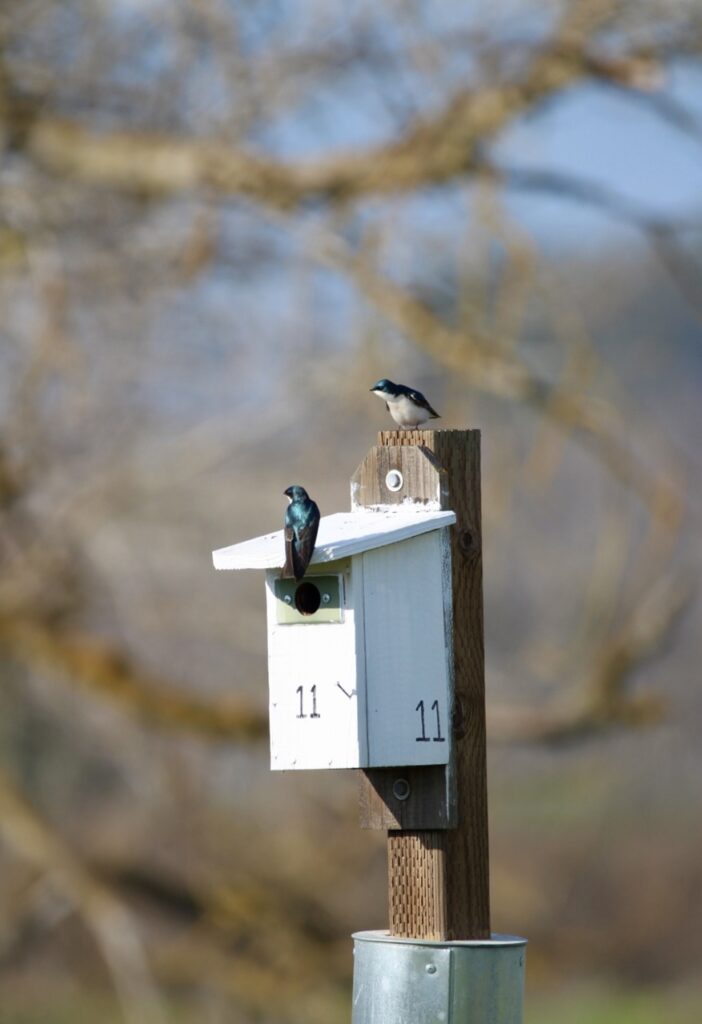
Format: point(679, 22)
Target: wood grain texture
point(427, 806)
point(417, 881)
point(424, 481)
point(463, 852)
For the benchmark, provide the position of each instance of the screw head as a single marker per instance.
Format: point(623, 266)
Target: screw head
point(326, 598)
point(394, 480)
point(287, 599)
point(401, 789)
point(430, 968)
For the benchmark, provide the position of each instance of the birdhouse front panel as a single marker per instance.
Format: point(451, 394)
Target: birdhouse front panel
point(315, 703)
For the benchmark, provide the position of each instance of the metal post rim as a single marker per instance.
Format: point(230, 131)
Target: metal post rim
point(497, 939)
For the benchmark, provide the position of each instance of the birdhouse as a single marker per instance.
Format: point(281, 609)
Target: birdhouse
point(359, 664)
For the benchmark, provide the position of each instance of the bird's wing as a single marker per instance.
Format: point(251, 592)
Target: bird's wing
point(289, 567)
point(303, 548)
point(419, 399)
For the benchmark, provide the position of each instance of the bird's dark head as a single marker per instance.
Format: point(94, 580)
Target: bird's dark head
point(384, 387)
point(295, 493)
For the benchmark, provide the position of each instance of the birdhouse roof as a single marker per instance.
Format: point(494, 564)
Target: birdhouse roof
point(340, 535)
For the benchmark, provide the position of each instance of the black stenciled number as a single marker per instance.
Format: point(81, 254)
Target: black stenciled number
point(313, 691)
point(424, 738)
point(438, 738)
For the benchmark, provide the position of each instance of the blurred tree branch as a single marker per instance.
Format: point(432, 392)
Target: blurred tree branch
point(493, 368)
point(663, 236)
point(34, 630)
point(431, 151)
point(106, 670)
point(111, 924)
point(601, 700)
point(143, 191)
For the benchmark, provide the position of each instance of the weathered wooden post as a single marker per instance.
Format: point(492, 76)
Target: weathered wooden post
point(376, 662)
point(438, 843)
point(437, 820)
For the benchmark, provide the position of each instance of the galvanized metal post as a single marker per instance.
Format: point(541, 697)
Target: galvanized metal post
point(413, 981)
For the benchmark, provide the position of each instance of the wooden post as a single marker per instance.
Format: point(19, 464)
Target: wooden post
point(439, 878)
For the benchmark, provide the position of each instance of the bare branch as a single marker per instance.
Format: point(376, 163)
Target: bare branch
point(106, 671)
point(432, 150)
point(493, 369)
point(108, 919)
point(661, 235)
point(602, 700)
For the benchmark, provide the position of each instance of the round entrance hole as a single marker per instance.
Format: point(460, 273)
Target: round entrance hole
point(307, 599)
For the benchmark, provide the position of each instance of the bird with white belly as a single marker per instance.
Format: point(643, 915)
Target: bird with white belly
point(407, 406)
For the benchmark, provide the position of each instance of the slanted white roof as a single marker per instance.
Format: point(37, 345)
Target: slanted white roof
point(340, 535)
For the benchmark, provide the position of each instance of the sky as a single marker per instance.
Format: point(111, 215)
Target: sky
point(608, 137)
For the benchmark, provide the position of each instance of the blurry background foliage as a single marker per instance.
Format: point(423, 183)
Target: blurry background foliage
point(220, 222)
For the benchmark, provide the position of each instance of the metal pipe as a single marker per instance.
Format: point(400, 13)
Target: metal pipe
point(411, 981)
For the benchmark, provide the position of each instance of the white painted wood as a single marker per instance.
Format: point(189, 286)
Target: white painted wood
point(364, 692)
point(370, 671)
point(407, 646)
point(340, 535)
point(322, 656)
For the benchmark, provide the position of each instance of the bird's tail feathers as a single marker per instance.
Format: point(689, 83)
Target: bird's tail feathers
point(293, 569)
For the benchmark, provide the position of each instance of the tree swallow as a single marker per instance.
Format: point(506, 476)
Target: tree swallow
point(301, 524)
point(407, 407)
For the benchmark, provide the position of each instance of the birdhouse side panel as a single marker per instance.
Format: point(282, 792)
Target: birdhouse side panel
point(407, 600)
point(317, 710)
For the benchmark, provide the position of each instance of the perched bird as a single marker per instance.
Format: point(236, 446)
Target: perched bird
point(301, 524)
point(407, 407)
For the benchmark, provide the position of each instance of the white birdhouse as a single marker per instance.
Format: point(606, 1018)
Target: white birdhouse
point(359, 652)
